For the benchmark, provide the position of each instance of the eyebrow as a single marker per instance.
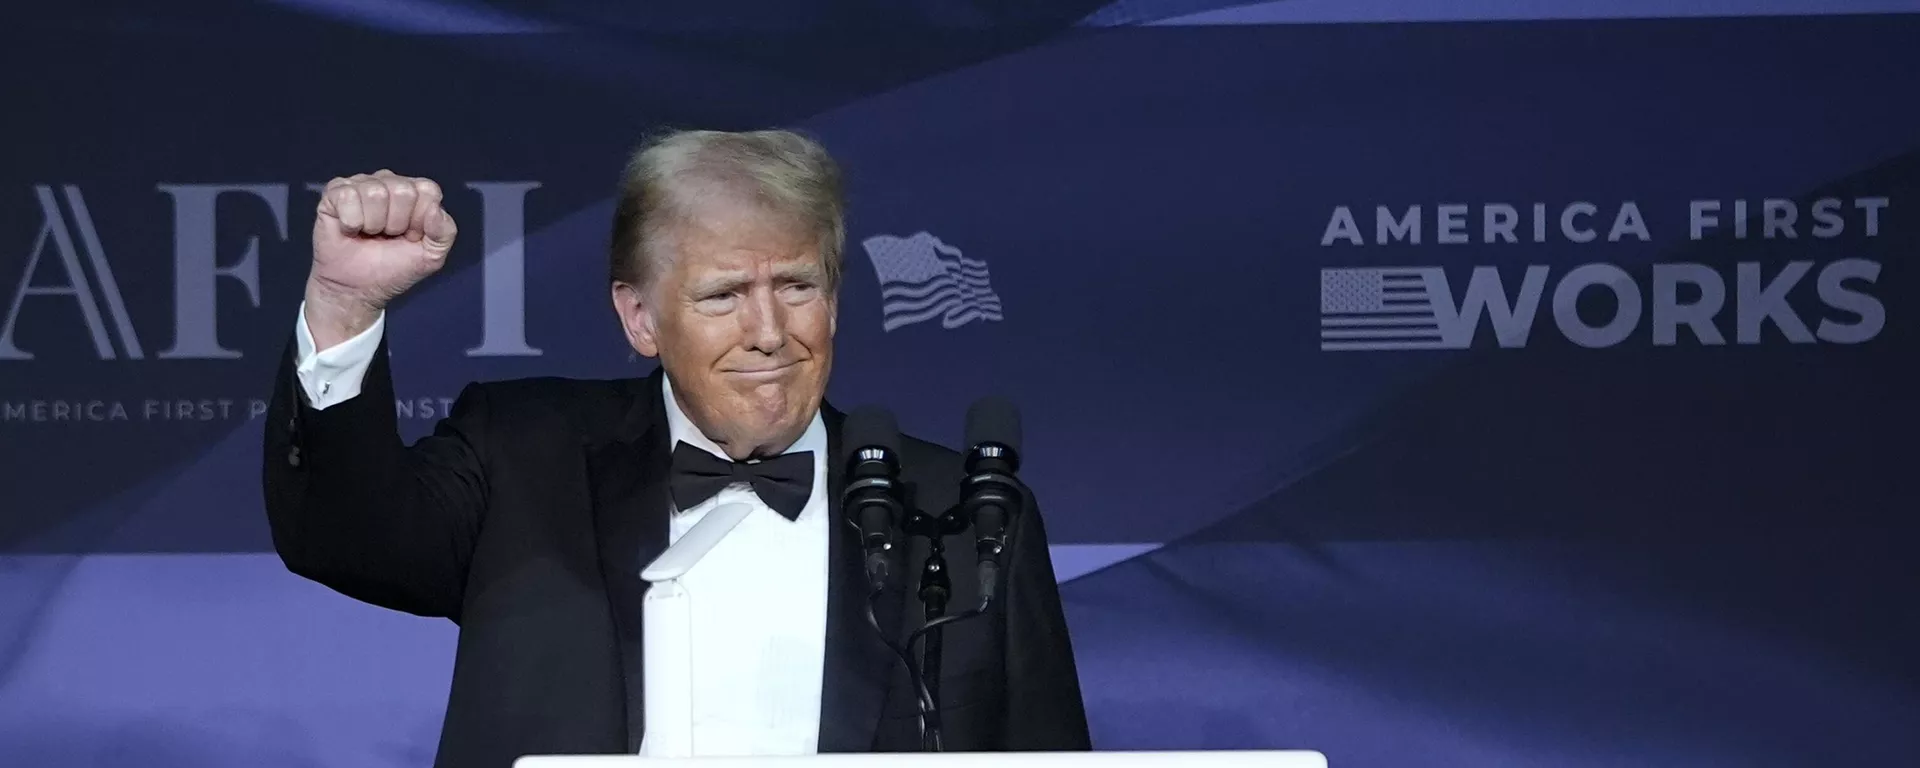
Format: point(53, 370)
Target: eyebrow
point(808, 272)
point(719, 283)
point(736, 280)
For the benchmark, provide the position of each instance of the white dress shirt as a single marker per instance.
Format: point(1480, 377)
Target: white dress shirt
point(758, 598)
point(333, 376)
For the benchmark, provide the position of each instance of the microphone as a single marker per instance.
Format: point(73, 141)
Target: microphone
point(990, 493)
point(872, 501)
point(870, 438)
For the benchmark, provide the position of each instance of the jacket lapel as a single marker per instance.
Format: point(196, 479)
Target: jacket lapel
point(858, 665)
point(627, 471)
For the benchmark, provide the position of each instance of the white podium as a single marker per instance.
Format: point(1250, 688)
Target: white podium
point(1200, 759)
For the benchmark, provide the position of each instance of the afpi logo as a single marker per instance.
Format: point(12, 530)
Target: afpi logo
point(68, 277)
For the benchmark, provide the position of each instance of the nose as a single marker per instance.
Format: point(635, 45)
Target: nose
point(764, 322)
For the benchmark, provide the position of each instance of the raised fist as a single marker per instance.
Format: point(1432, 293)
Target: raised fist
point(374, 236)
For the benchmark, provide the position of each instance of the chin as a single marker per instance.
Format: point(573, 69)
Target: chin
point(775, 413)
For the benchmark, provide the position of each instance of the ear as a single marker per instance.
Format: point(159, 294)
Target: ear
point(636, 319)
point(833, 312)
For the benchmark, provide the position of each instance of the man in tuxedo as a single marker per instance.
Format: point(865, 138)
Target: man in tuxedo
point(528, 514)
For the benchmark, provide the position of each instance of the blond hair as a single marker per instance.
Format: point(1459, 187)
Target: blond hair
point(783, 173)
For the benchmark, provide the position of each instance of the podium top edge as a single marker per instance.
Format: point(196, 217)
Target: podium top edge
point(1283, 758)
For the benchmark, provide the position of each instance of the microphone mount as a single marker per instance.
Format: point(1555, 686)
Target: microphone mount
point(936, 589)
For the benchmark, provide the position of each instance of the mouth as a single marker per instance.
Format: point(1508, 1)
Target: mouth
point(762, 374)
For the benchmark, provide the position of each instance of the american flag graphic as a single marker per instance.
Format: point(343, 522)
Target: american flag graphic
point(922, 278)
point(1378, 309)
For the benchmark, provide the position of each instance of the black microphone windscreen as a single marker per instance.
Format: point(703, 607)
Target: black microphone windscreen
point(869, 426)
point(993, 419)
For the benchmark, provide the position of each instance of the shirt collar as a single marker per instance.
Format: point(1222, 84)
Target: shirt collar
point(680, 429)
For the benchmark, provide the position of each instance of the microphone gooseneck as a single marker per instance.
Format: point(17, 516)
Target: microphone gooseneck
point(990, 494)
point(872, 498)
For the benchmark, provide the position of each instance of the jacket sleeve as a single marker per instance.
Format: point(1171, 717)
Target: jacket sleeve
point(352, 507)
point(1045, 711)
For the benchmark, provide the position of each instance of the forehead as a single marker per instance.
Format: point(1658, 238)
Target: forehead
point(742, 241)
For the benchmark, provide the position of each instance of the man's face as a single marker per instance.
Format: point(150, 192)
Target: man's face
point(742, 320)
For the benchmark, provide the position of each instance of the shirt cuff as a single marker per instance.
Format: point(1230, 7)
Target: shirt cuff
point(333, 376)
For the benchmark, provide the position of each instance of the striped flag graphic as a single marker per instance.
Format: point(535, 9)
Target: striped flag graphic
point(922, 278)
point(1389, 308)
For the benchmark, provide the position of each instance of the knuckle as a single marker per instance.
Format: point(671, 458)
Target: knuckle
point(374, 191)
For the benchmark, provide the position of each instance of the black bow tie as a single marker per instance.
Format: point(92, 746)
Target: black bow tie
point(784, 482)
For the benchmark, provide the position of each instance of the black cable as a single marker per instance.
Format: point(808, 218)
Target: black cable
point(927, 706)
point(914, 669)
point(941, 622)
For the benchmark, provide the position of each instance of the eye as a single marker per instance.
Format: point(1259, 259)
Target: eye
point(716, 302)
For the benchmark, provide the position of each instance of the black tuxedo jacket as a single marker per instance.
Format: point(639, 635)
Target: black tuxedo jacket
point(526, 518)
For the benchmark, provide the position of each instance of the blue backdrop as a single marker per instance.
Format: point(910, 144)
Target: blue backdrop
point(1504, 385)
